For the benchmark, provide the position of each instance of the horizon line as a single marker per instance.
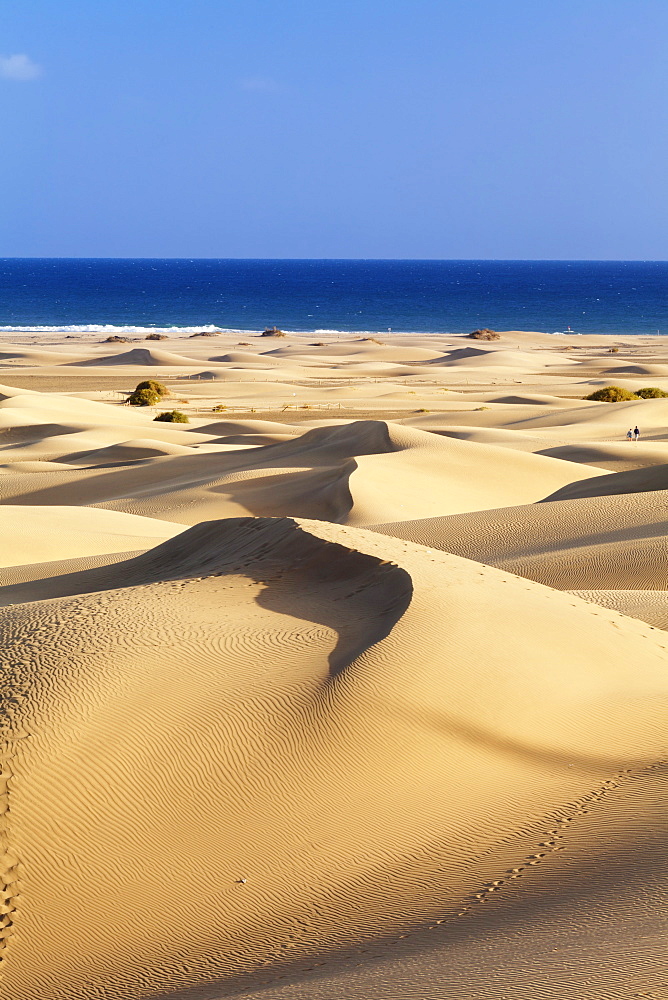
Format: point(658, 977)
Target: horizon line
point(449, 260)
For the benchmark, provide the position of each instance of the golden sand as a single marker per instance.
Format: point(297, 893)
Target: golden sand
point(355, 688)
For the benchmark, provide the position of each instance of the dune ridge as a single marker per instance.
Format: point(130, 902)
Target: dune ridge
point(613, 543)
point(340, 472)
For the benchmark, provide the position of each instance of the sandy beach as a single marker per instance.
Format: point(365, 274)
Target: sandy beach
point(354, 685)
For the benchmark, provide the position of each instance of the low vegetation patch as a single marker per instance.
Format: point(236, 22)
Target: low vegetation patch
point(117, 340)
point(219, 408)
point(172, 417)
point(154, 386)
point(205, 333)
point(651, 392)
point(148, 393)
point(144, 397)
point(484, 334)
point(272, 331)
point(613, 350)
point(612, 394)
point(156, 336)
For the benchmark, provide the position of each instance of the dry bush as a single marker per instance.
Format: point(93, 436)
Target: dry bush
point(117, 340)
point(484, 334)
point(156, 336)
point(272, 331)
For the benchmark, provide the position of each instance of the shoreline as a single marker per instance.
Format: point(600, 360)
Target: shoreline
point(210, 328)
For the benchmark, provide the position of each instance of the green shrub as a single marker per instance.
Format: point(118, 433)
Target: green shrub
point(219, 408)
point(173, 417)
point(157, 387)
point(144, 397)
point(651, 392)
point(612, 394)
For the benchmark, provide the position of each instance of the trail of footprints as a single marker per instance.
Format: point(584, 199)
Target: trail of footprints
point(9, 863)
point(549, 845)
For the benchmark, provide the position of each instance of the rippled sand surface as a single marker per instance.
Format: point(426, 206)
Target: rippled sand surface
point(355, 688)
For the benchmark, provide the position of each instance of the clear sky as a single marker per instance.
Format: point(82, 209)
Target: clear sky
point(334, 128)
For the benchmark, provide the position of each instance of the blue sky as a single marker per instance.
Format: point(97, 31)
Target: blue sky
point(334, 128)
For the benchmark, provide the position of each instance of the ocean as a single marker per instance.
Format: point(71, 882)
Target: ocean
point(353, 296)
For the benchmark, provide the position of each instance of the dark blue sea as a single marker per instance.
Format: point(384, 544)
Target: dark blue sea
point(366, 296)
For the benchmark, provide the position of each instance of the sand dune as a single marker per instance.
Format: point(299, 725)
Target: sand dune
point(47, 533)
point(248, 359)
point(128, 451)
point(24, 356)
point(138, 356)
point(654, 477)
point(358, 473)
point(649, 606)
point(602, 543)
point(471, 357)
point(281, 758)
point(615, 456)
point(628, 369)
point(613, 417)
point(356, 350)
point(585, 420)
point(213, 769)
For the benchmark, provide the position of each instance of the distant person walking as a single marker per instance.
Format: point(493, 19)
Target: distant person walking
point(636, 433)
point(629, 435)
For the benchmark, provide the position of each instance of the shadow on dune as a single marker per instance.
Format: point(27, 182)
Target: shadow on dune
point(358, 596)
point(648, 479)
point(615, 881)
point(477, 535)
point(500, 743)
point(318, 466)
